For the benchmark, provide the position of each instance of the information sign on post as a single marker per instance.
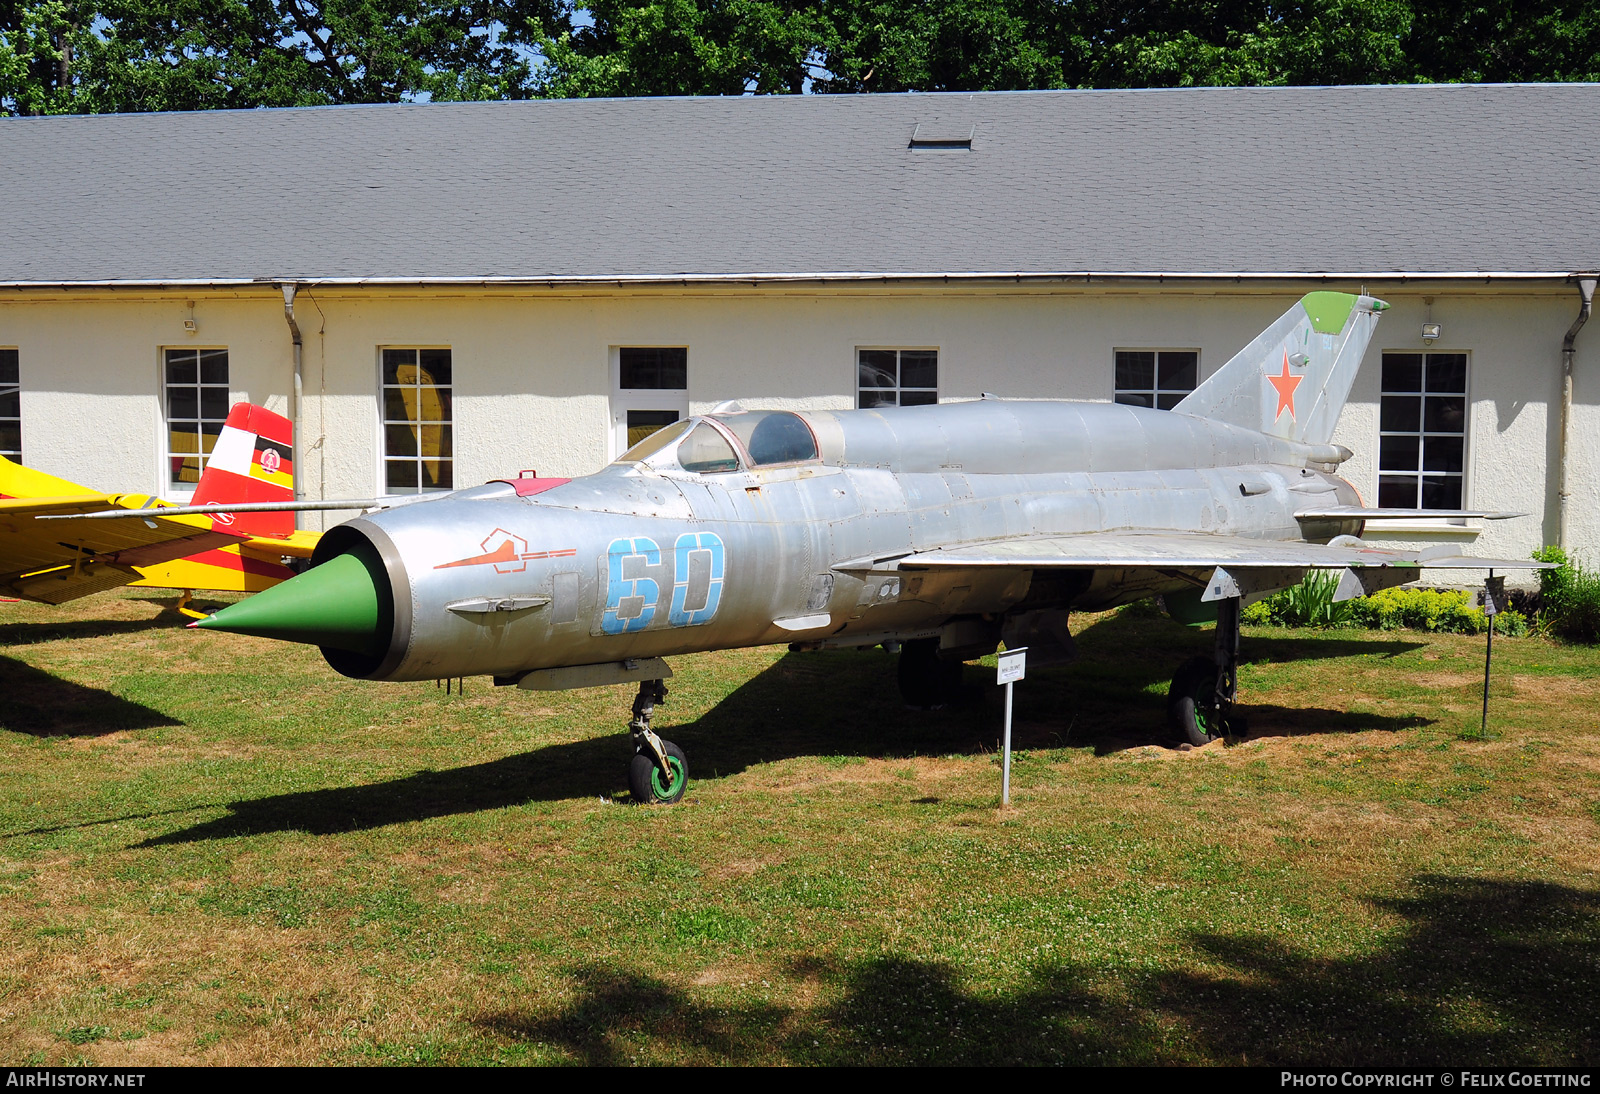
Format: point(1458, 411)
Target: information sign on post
point(1492, 599)
point(1013, 666)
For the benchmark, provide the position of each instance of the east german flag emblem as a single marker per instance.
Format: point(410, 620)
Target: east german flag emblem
point(252, 461)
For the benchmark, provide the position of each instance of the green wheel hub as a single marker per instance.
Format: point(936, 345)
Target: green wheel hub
point(654, 780)
point(668, 788)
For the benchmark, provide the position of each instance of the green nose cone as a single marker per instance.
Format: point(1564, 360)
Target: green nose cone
point(343, 603)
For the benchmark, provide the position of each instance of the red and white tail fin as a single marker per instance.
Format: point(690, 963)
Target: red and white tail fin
point(252, 461)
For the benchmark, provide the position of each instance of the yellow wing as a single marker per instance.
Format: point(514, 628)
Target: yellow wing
point(56, 561)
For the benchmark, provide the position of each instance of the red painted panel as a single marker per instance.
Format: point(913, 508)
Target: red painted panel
point(527, 487)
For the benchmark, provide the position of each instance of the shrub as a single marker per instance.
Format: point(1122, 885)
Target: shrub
point(1259, 614)
point(1310, 604)
point(1569, 597)
point(1450, 611)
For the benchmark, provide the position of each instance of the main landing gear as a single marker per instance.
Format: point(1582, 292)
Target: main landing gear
point(1200, 700)
point(926, 681)
point(658, 772)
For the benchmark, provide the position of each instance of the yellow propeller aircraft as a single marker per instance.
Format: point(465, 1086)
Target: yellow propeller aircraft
point(250, 463)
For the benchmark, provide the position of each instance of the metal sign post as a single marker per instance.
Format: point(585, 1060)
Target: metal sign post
point(1013, 666)
point(1493, 599)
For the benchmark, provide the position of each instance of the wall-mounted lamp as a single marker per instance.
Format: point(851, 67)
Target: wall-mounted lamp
point(1430, 329)
point(189, 325)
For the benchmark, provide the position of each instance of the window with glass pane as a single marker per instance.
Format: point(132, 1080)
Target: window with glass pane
point(642, 423)
point(418, 445)
point(1422, 430)
point(197, 407)
point(897, 377)
point(654, 368)
point(10, 406)
point(1158, 378)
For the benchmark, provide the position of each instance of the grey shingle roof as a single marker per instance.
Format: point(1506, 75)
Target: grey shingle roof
point(1258, 180)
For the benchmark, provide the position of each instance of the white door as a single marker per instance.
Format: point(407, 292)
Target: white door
point(650, 390)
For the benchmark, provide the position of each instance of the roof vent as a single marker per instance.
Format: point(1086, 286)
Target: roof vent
point(942, 135)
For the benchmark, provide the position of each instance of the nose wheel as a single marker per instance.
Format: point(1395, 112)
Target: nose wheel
point(658, 774)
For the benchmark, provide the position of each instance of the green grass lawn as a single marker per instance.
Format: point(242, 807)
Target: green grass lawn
point(215, 850)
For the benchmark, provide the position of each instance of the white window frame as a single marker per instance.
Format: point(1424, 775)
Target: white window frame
point(1422, 432)
point(664, 400)
point(6, 388)
point(898, 389)
point(1156, 392)
point(383, 422)
point(167, 487)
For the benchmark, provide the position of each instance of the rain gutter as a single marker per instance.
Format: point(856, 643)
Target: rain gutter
point(297, 391)
point(1563, 502)
point(553, 280)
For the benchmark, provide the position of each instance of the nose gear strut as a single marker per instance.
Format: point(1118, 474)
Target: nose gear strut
point(658, 771)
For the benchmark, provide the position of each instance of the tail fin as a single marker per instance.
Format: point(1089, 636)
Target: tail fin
point(253, 460)
point(1293, 380)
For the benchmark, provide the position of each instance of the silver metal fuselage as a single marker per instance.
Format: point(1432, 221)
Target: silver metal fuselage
point(486, 581)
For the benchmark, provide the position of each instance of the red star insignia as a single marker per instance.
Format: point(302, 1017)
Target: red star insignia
point(1285, 385)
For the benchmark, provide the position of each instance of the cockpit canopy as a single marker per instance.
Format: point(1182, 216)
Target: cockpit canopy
point(772, 436)
point(765, 438)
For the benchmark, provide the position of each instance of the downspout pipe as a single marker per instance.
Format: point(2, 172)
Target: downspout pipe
point(1564, 500)
point(289, 289)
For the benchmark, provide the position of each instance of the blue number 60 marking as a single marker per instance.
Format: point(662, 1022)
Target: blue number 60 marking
point(630, 597)
point(696, 578)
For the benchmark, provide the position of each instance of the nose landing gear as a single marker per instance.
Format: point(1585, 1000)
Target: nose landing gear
point(658, 772)
point(1201, 697)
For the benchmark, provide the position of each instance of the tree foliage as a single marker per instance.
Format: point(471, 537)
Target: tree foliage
point(678, 47)
point(88, 56)
point(129, 55)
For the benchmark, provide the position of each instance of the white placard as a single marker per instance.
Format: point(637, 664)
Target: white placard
point(1013, 666)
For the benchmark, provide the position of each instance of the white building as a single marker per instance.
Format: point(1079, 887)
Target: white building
point(480, 289)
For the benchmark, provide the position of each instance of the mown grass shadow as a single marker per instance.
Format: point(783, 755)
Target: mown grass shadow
point(1483, 972)
point(1113, 697)
point(805, 704)
point(582, 769)
point(41, 704)
point(32, 633)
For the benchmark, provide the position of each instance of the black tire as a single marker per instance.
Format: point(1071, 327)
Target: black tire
point(926, 681)
point(649, 785)
point(1191, 702)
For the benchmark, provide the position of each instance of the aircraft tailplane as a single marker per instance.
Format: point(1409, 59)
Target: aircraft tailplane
point(252, 461)
point(1293, 380)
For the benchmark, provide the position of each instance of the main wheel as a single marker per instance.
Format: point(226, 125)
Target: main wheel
point(649, 784)
point(1192, 704)
point(926, 682)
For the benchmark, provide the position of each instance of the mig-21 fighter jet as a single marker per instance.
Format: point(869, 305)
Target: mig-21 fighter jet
point(946, 529)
